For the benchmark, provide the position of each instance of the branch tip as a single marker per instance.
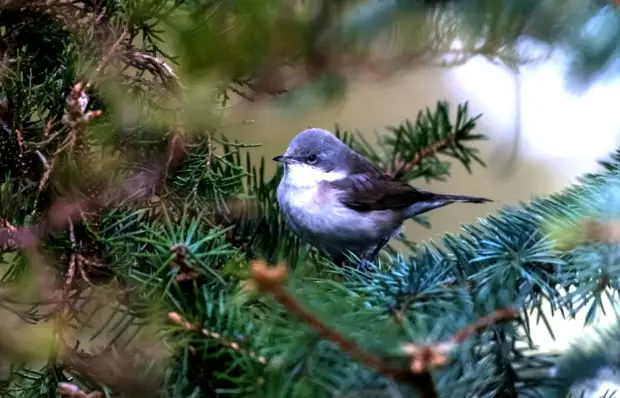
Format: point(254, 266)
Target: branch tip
point(177, 319)
point(499, 316)
point(269, 279)
point(432, 356)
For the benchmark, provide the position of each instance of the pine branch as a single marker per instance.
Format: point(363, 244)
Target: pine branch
point(270, 281)
point(65, 210)
point(402, 167)
point(414, 149)
point(425, 358)
point(417, 149)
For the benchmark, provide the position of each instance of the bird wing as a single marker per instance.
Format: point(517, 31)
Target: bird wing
point(377, 191)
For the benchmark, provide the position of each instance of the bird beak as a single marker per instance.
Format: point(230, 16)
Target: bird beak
point(283, 159)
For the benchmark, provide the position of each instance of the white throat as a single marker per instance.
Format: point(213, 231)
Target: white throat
point(305, 176)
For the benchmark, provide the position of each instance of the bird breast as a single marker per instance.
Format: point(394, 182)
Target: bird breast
point(315, 214)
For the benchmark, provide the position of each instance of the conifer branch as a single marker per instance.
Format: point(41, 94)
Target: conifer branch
point(270, 280)
point(84, 23)
point(428, 357)
point(64, 209)
point(499, 316)
point(401, 167)
point(154, 65)
point(424, 358)
point(75, 119)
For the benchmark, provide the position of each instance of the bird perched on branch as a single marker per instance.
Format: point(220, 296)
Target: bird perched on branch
point(338, 201)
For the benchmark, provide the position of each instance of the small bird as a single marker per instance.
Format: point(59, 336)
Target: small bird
point(338, 201)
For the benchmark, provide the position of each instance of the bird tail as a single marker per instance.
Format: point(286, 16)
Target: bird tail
point(462, 198)
point(435, 201)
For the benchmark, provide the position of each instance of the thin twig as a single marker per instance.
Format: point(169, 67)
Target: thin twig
point(499, 316)
point(48, 166)
point(71, 269)
point(402, 167)
point(178, 319)
point(155, 65)
point(432, 356)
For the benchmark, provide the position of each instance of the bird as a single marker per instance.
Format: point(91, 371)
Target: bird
point(338, 201)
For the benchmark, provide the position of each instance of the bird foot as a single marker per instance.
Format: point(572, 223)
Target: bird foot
point(365, 265)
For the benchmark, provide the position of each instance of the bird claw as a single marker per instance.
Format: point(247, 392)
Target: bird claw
point(365, 265)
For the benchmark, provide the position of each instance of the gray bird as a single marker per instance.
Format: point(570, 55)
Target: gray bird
point(338, 201)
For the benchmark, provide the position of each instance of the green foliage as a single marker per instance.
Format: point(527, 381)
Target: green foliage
point(128, 238)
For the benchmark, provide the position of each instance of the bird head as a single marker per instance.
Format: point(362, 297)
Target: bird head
point(315, 155)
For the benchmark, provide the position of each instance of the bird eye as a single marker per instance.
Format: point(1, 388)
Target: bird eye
point(312, 159)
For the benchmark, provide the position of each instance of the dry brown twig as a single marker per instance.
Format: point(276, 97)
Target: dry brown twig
point(118, 48)
point(178, 319)
point(432, 356)
point(76, 119)
point(156, 66)
point(84, 25)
